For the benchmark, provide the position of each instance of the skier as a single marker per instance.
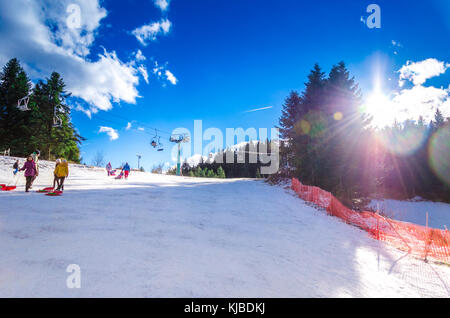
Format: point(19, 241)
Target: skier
point(126, 169)
point(55, 177)
point(16, 167)
point(30, 172)
point(35, 155)
point(62, 172)
point(109, 168)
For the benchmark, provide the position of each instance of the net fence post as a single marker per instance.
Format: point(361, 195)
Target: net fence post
point(426, 235)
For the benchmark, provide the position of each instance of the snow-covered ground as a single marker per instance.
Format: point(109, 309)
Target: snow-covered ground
point(414, 211)
point(168, 236)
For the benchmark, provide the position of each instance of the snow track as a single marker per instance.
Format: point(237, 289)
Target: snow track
point(167, 236)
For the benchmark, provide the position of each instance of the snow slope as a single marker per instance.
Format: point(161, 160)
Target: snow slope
point(168, 236)
point(414, 211)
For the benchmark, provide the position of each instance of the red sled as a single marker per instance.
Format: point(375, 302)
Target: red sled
point(7, 188)
point(45, 190)
point(54, 193)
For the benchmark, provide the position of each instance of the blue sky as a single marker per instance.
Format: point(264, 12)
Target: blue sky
point(227, 57)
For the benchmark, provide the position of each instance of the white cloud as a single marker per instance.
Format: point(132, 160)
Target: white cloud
point(411, 103)
point(128, 126)
point(141, 129)
point(149, 32)
point(61, 15)
point(157, 69)
point(161, 72)
point(37, 34)
point(171, 78)
point(143, 70)
point(257, 109)
point(139, 56)
point(395, 43)
point(162, 4)
point(420, 101)
point(80, 108)
point(111, 132)
point(419, 72)
point(103, 81)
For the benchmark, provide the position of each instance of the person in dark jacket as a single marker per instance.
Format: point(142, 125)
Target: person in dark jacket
point(16, 167)
point(30, 172)
point(126, 170)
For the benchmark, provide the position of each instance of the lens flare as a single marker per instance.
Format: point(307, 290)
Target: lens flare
point(338, 116)
point(439, 154)
point(404, 142)
point(305, 126)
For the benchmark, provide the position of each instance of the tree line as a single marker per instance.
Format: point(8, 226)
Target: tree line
point(328, 142)
point(243, 162)
point(46, 125)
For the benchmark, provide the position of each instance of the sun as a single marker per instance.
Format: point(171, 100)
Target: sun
point(378, 105)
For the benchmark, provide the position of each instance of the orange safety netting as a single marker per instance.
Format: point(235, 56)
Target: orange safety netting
point(420, 241)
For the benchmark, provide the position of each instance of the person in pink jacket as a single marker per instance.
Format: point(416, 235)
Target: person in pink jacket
point(30, 172)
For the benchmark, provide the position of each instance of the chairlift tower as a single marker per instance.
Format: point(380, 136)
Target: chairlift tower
point(139, 160)
point(178, 139)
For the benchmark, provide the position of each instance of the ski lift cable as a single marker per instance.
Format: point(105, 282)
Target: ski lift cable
point(141, 124)
point(156, 140)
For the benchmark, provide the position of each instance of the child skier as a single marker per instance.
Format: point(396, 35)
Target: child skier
point(62, 172)
point(16, 167)
point(126, 169)
point(30, 172)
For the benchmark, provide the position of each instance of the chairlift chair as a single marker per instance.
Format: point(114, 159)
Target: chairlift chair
point(160, 145)
point(57, 122)
point(22, 104)
point(154, 143)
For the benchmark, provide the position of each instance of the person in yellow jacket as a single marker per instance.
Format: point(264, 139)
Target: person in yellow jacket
point(55, 177)
point(61, 172)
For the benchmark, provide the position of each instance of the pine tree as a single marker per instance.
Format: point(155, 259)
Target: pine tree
point(25, 131)
point(439, 119)
point(221, 173)
point(14, 85)
point(56, 141)
point(310, 128)
point(347, 138)
point(287, 122)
